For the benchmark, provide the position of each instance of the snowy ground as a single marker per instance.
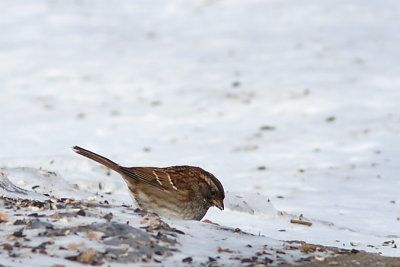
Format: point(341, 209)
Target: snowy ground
point(51, 230)
point(295, 102)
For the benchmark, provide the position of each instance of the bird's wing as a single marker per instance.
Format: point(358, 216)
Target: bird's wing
point(157, 177)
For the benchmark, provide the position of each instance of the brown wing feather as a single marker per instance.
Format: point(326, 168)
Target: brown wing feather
point(182, 176)
point(170, 178)
point(141, 176)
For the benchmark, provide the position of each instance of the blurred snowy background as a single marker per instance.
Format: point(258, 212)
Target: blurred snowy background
point(295, 102)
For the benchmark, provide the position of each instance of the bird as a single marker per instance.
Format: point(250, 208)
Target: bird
point(176, 192)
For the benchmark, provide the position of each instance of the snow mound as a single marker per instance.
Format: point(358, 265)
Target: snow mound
point(10, 190)
point(31, 183)
point(252, 203)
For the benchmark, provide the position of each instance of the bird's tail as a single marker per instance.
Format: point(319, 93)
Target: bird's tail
point(100, 159)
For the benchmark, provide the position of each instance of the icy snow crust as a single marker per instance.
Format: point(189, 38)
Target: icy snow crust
point(293, 105)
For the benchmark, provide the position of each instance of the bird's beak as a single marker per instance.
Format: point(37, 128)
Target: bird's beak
point(219, 203)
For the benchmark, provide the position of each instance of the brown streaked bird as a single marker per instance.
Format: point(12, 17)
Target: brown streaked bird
point(177, 192)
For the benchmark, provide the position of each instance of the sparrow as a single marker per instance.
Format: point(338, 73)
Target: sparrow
point(176, 192)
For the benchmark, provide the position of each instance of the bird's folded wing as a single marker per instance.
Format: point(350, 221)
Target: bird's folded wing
point(152, 176)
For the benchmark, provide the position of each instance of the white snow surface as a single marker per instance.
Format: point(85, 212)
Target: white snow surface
point(293, 105)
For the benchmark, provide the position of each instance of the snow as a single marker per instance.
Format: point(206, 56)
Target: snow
point(293, 105)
